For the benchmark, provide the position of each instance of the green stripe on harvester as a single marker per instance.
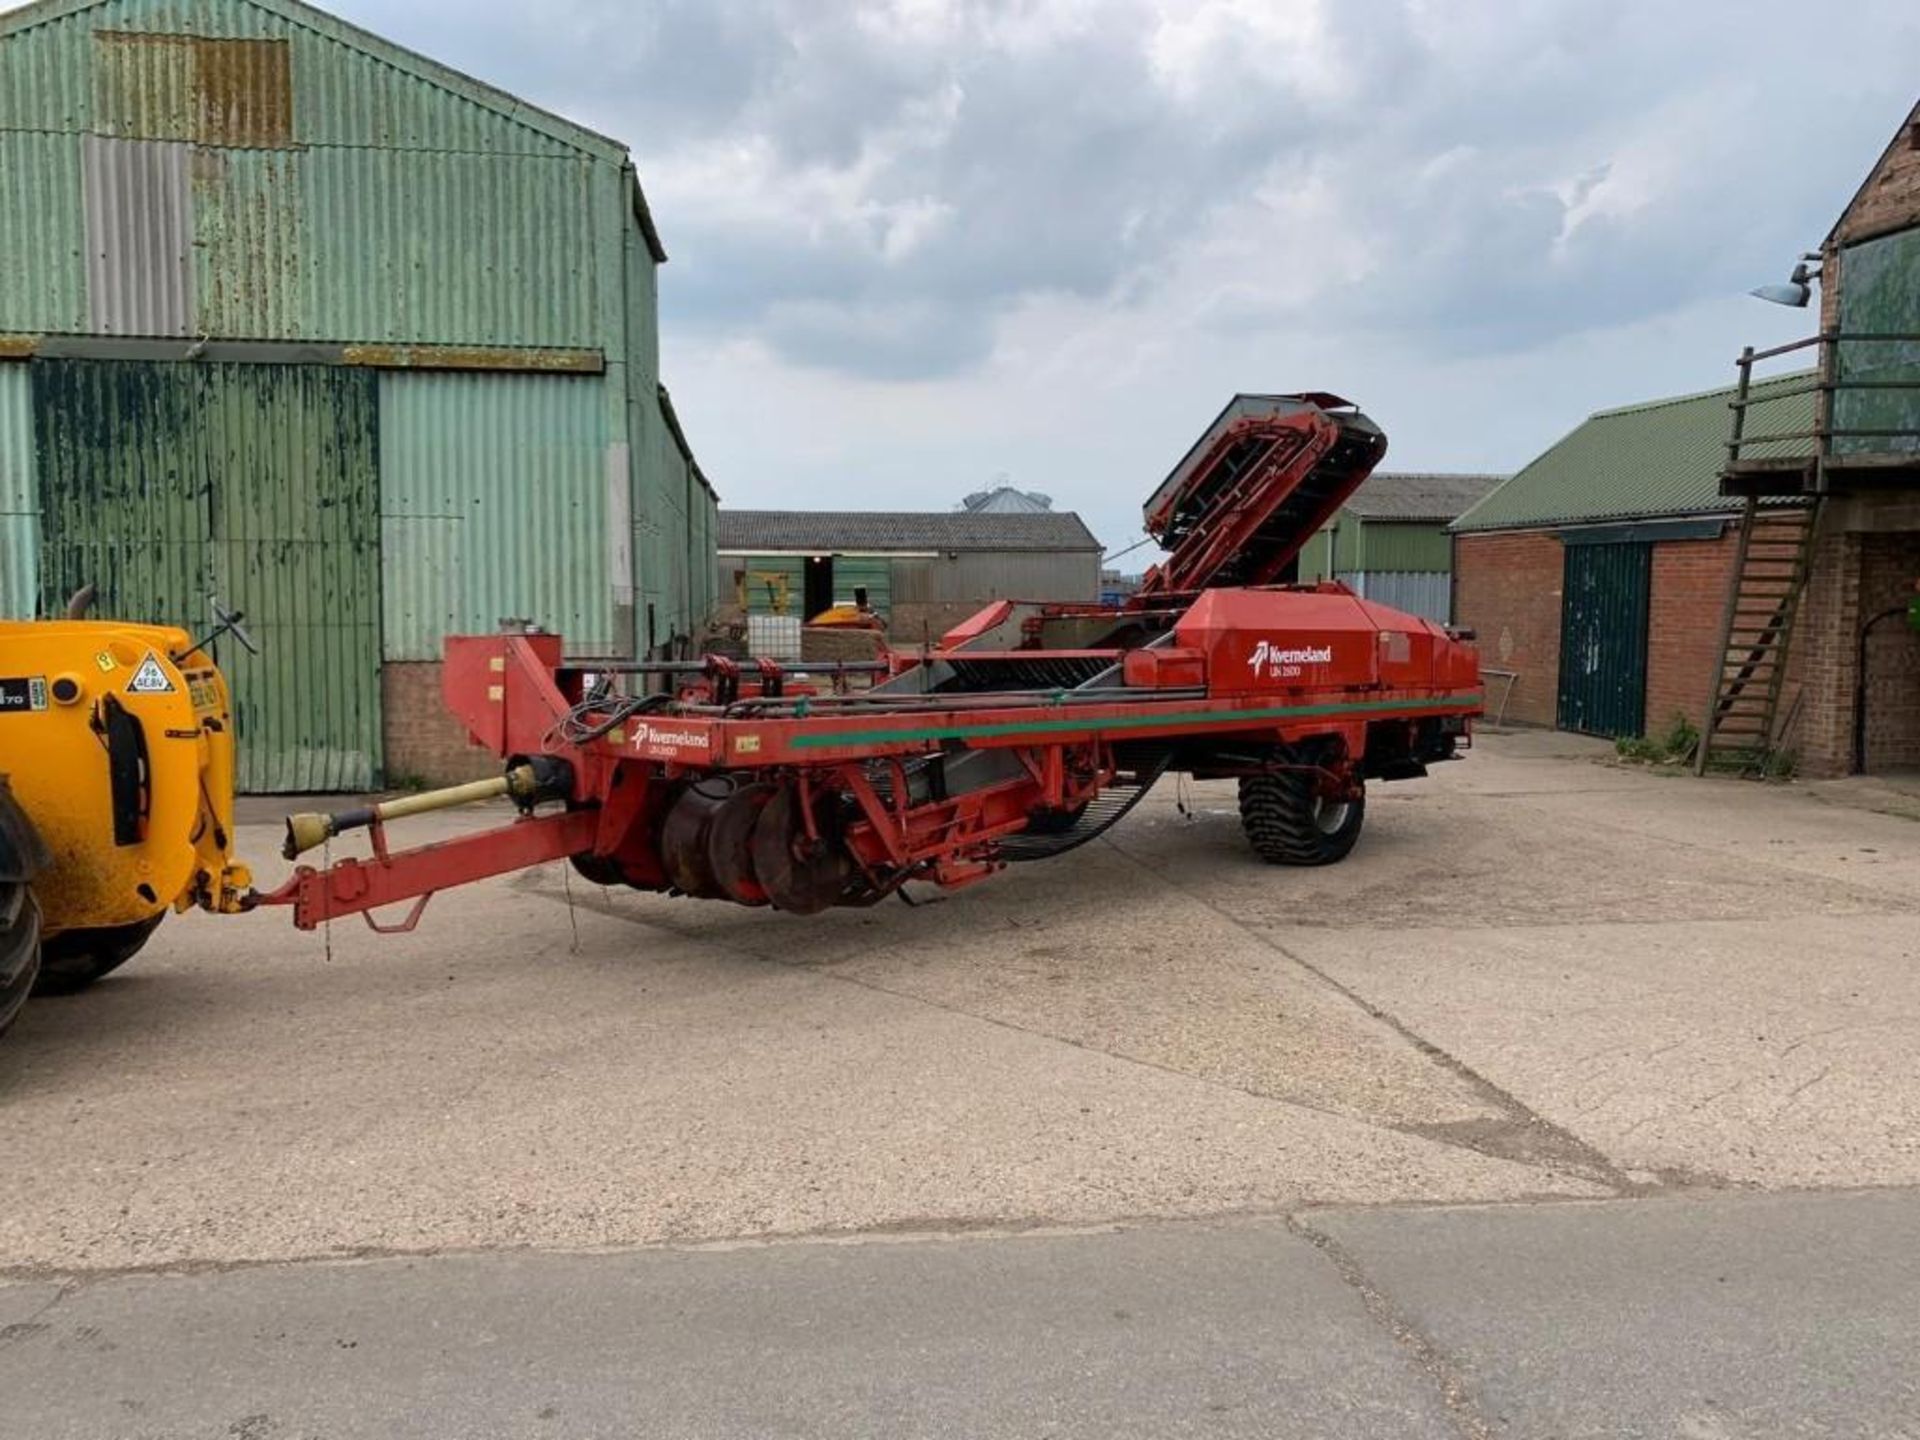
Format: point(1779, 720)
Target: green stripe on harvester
point(811, 741)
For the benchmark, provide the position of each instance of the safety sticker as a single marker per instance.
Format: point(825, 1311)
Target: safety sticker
point(24, 692)
point(150, 678)
point(202, 691)
point(103, 660)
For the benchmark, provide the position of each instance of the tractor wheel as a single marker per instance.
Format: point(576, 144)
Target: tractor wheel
point(74, 959)
point(22, 856)
point(19, 948)
point(1289, 822)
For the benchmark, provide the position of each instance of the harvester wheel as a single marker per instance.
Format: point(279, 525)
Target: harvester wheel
point(1054, 822)
point(1289, 821)
point(74, 959)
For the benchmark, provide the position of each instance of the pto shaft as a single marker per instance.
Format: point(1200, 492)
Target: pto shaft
point(524, 783)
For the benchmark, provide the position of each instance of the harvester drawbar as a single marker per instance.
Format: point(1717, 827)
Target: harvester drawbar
point(1026, 731)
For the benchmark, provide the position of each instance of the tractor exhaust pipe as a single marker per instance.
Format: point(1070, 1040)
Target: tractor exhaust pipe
point(525, 783)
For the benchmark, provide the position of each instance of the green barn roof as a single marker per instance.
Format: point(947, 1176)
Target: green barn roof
point(1645, 461)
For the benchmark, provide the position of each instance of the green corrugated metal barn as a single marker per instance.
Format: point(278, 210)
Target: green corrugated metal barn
point(368, 348)
point(1389, 542)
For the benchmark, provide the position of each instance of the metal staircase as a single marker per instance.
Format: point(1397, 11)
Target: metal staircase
point(1770, 564)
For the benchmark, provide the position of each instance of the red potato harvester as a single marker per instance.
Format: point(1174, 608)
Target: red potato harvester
point(1025, 732)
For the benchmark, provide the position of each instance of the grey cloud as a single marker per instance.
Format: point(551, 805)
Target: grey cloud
point(1065, 168)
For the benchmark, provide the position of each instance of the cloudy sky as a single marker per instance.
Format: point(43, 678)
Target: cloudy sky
point(922, 244)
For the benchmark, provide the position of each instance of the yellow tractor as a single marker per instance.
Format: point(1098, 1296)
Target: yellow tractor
point(116, 795)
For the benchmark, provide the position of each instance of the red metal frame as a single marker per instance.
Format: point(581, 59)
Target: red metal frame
point(358, 887)
point(925, 784)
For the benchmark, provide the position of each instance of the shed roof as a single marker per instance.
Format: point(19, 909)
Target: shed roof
point(1406, 497)
point(825, 531)
point(1645, 461)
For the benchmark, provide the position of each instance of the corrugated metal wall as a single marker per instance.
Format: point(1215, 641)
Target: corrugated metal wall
point(1418, 592)
point(874, 572)
point(334, 194)
point(1316, 556)
point(492, 504)
point(139, 237)
point(43, 273)
point(400, 246)
point(19, 498)
point(164, 483)
point(1017, 575)
point(1407, 566)
point(224, 169)
point(1388, 546)
point(673, 540)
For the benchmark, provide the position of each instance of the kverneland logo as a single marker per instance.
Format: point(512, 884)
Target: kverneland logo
point(650, 735)
point(1269, 658)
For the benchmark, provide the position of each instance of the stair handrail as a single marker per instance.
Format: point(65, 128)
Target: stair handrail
point(1823, 381)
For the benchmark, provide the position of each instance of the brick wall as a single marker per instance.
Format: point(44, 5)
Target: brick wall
point(1688, 598)
point(1507, 588)
point(1864, 561)
point(1890, 199)
point(424, 742)
point(1889, 566)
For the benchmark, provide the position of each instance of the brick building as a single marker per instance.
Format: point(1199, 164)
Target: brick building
point(1625, 516)
point(1859, 708)
point(1744, 557)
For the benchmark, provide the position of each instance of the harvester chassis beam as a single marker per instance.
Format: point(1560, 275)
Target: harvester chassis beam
point(355, 886)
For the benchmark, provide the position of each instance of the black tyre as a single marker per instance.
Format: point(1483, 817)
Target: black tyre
point(74, 959)
point(1289, 822)
point(19, 948)
point(1054, 822)
point(22, 856)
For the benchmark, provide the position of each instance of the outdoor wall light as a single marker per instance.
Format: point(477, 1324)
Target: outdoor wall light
point(1798, 289)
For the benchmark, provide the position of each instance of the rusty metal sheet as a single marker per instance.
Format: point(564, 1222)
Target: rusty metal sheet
point(475, 357)
point(211, 91)
point(249, 240)
point(139, 225)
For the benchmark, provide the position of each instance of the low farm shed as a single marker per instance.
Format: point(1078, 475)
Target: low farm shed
point(922, 571)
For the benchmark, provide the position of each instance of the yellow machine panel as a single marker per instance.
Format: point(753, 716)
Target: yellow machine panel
point(118, 742)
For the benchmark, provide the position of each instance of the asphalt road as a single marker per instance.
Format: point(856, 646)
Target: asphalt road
point(1705, 1319)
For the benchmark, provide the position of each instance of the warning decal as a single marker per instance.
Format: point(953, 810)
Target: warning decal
point(150, 678)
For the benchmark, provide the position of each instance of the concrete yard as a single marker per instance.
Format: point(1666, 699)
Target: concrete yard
point(1541, 980)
